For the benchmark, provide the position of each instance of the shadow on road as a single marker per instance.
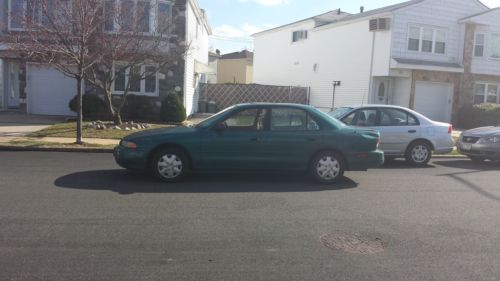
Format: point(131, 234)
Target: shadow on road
point(469, 165)
point(125, 182)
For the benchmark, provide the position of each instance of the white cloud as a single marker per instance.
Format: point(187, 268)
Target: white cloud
point(267, 2)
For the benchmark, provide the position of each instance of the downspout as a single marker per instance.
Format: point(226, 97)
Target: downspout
point(370, 86)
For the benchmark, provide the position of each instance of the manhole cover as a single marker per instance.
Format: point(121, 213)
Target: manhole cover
point(354, 244)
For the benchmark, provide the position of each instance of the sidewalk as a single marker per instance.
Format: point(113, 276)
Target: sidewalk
point(5, 140)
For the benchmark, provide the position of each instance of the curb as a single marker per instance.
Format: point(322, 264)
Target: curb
point(448, 156)
point(55, 149)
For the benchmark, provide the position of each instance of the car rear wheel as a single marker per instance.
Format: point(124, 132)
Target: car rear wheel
point(170, 165)
point(419, 154)
point(327, 167)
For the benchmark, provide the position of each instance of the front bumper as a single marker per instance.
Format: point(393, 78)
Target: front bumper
point(130, 158)
point(486, 151)
point(362, 161)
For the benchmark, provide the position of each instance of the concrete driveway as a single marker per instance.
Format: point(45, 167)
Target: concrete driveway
point(19, 124)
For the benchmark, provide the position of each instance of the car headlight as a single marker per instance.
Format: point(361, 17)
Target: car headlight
point(128, 144)
point(491, 139)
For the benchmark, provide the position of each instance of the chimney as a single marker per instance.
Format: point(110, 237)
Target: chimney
point(338, 11)
point(361, 9)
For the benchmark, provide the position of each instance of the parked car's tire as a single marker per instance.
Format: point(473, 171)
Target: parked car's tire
point(170, 165)
point(477, 159)
point(419, 153)
point(327, 167)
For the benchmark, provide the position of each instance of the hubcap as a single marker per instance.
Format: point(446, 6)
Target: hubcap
point(170, 166)
point(419, 153)
point(328, 168)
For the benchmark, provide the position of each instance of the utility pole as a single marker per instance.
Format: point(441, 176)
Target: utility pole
point(335, 85)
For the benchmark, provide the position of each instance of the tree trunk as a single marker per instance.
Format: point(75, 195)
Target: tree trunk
point(79, 119)
point(117, 118)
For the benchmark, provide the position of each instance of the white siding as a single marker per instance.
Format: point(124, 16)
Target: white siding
point(198, 41)
point(341, 53)
point(382, 53)
point(486, 65)
point(443, 14)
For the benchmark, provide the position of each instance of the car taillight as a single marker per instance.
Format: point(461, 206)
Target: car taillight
point(450, 129)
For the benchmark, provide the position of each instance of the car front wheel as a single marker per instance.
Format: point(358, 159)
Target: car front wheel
point(170, 165)
point(327, 167)
point(419, 154)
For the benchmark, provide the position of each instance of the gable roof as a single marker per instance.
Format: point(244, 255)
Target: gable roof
point(382, 10)
point(476, 16)
point(238, 55)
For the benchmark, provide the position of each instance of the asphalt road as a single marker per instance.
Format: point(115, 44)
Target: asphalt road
point(66, 216)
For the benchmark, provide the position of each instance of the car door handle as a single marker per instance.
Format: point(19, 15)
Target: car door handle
point(255, 139)
point(412, 131)
point(310, 139)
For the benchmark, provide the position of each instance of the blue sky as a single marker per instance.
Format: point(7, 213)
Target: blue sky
point(233, 21)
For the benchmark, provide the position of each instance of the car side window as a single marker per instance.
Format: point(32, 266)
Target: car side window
point(246, 120)
point(291, 119)
point(362, 118)
point(396, 117)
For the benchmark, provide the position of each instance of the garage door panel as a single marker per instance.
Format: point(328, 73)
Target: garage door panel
point(434, 100)
point(49, 91)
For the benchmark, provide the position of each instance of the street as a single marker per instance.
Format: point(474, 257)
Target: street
point(77, 216)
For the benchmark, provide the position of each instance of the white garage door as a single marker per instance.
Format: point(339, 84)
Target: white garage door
point(434, 100)
point(49, 91)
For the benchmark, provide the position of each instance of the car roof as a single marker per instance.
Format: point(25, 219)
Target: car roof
point(374, 105)
point(269, 104)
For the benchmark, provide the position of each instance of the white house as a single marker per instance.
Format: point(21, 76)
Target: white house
point(430, 55)
point(39, 89)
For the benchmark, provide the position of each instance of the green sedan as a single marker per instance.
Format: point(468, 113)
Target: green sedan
point(254, 137)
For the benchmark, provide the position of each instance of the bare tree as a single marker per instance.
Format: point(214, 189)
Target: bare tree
point(60, 33)
point(132, 49)
point(99, 42)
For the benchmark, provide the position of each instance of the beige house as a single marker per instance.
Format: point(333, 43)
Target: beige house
point(235, 68)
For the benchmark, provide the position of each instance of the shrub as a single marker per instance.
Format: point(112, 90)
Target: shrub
point(139, 108)
point(480, 115)
point(172, 109)
point(92, 106)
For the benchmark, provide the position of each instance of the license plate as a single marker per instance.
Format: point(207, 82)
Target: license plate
point(466, 146)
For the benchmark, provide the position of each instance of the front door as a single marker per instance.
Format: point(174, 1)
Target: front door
point(382, 91)
point(13, 94)
point(235, 144)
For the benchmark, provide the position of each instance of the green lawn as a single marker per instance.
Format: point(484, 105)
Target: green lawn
point(41, 144)
point(68, 130)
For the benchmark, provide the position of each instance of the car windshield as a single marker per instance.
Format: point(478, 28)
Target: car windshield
point(339, 112)
point(208, 121)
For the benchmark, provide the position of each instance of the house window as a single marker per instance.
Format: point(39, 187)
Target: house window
point(24, 12)
point(479, 45)
point(299, 35)
point(132, 13)
point(426, 40)
point(140, 80)
point(486, 93)
point(495, 46)
point(163, 17)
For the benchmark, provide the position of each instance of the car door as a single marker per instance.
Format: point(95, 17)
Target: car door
point(233, 144)
point(397, 129)
point(292, 138)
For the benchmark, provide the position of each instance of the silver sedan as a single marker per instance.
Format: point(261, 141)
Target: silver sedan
point(480, 144)
point(403, 132)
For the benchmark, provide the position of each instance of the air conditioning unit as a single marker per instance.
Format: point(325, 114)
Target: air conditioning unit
point(380, 24)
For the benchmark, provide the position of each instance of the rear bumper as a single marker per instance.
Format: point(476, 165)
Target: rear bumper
point(363, 161)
